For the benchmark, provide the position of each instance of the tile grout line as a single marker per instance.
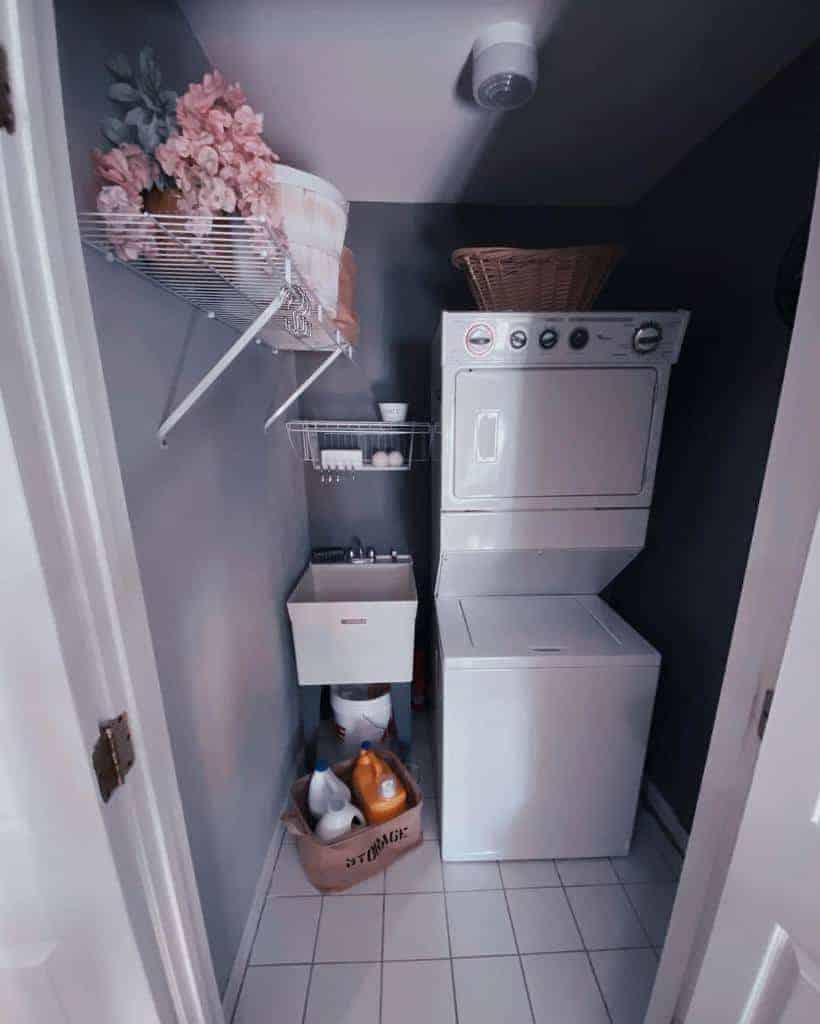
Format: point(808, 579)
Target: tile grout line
point(313, 961)
point(256, 930)
point(381, 956)
point(517, 949)
point(586, 952)
point(450, 948)
point(637, 915)
point(465, 956)
point(493, 888)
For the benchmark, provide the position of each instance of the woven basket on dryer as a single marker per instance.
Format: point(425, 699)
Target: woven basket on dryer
point(537, 279)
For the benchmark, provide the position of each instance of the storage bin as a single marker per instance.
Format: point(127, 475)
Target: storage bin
point(359, 714)
point(364, 852)
point(313, 216)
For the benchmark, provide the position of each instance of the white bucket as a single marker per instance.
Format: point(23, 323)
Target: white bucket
point(358, 717)
point(313, 216)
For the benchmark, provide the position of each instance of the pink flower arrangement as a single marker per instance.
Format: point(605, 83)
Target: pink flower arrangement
point(214, 154)
point(217, 155)
point(130, 172)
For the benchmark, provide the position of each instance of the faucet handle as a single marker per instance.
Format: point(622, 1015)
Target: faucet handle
point(371, 554)
point(394, 555)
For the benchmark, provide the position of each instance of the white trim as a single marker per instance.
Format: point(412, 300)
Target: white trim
point(260, 895)
point(665, 815)
point(64, 443)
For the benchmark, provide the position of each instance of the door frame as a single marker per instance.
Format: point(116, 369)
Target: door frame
point(61, 429)
point(64, 443)
point(784, 525)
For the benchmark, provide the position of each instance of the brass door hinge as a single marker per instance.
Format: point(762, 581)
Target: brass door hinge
point(765, 711)
point(6, 108)
point(113, 754)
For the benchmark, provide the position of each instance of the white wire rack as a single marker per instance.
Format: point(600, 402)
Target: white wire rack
point(231, 272)
point(235, 269)
point(336, 447)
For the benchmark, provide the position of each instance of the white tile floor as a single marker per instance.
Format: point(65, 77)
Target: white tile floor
point(524, 942)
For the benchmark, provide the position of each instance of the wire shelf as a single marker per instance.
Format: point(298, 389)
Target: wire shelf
point(231, 268)
point(334, 447)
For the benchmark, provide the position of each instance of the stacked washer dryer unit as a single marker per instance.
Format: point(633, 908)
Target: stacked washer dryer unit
point(546, 437)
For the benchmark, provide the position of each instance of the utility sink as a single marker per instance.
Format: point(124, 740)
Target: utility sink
point(355, 622)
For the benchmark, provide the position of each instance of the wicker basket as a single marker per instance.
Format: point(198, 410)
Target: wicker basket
point(534, 280)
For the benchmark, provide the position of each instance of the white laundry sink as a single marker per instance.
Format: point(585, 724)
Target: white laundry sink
point(354, 623)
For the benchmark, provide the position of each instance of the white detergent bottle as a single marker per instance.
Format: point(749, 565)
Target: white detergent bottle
point(323, 786)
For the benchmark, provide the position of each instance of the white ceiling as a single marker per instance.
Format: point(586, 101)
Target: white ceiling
point(367, 93)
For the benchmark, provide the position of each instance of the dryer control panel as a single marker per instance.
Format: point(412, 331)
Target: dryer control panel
point(538, 339)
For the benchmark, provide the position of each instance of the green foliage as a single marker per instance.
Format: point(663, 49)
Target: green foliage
point(148, 111)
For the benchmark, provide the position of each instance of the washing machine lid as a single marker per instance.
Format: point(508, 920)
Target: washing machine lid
point(534, 631)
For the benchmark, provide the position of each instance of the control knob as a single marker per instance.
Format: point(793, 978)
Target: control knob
point(579, 338)
point(647, 337)
point(548, 338)
point(518, 339)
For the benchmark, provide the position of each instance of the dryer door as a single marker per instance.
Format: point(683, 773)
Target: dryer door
point(525, 434)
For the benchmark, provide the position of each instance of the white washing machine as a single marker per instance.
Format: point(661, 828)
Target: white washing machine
point(547, 429)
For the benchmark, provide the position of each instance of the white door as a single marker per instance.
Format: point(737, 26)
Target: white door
point(67, 948)
point(100, 918)
point(762, 964)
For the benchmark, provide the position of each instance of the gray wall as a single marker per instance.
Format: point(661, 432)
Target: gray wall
point(219, 518)
point(405, 279)
point(710, 238)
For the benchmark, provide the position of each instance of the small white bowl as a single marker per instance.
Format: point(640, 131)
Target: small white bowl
point(393, 412)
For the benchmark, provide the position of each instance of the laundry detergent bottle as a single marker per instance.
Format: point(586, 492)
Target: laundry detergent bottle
point(323, 786)
point(379, 792)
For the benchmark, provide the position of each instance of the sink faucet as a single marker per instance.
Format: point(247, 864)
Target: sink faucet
point(357, 553)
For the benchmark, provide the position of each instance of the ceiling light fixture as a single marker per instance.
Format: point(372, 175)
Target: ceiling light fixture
point(505, 68)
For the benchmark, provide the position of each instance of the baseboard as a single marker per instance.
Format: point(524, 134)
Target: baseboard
point(243, 954)
point(665, 815)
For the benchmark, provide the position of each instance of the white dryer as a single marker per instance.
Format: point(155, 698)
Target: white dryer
point(546, 436)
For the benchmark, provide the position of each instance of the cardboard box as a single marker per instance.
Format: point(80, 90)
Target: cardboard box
point(364, 852)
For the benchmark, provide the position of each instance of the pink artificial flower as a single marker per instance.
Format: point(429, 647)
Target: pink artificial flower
point(217, 156)
point(130, 237)
point(114, 199)
point(171, 153)
point(218, 122)
point(256, 147)
point(248, 122)
point(127, 166)
point(234, 97)
point(208, 159)
point(218, 197)
point(200, 98)
point(187, 122)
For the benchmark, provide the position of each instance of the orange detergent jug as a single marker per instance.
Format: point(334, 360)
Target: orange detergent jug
point(379, 793)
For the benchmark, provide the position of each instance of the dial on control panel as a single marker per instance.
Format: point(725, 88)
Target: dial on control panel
point(479, 340)
point(518, 338)
point(647, 337)
point(548, 338)
point(579, 338)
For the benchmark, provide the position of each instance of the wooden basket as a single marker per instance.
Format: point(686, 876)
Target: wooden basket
point(535, 280)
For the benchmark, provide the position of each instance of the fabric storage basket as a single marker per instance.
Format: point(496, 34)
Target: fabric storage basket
point(536, 280)
point(364, 852)
point(313, 216)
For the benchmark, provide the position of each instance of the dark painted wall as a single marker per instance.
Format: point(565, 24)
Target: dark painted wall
point(710, 238)
point(405, 280)
point(219, 518)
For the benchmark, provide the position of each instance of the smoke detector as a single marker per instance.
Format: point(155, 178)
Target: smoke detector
point(505, 69)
